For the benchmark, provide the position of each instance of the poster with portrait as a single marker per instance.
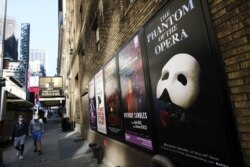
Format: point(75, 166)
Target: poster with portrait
point(190, 113)
point(135, 110)
point(92, 105)
point(99, 99)
point(113, 112)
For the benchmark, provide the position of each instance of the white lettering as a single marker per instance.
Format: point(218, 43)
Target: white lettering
point(128, 115)
point(140, 115)
point(175, 38)
point(168, 20)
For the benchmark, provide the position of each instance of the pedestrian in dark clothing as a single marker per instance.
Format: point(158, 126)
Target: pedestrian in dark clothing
point(19, 133)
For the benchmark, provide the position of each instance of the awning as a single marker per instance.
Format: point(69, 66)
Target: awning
point(20, 103)
point(52, 101)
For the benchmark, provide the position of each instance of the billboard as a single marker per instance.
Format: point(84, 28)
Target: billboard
point(136, 116)
point(99, 100)
point(34, 81)
point(190, 114)
point(50, 82)
point(50, 86)
point(92, 105)
point(112, 106)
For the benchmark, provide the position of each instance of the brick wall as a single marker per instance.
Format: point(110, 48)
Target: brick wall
point(231, 20)
point(115, 28)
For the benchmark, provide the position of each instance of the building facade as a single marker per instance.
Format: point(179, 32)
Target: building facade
point(106, 47)
point(37, 68)
point(10, 49)
point(11, 41)
point(11, 27)
point(39, 56)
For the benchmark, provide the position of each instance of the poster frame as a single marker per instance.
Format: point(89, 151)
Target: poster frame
point(224, 100)
point(105, 121)
point(94, 128)
point(120, 136)
point(147, 90)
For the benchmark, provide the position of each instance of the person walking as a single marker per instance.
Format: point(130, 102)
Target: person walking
point(19, 133)
point(36, 129)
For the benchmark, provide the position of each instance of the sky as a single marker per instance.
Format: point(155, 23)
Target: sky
point(43, 18)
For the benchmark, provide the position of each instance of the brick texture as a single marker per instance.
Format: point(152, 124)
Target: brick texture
point(230, 20)
point(231, 23)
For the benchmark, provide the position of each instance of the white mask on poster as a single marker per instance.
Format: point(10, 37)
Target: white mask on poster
point(180, 77)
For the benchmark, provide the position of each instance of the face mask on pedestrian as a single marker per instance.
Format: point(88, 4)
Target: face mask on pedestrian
point(35, 117)
point(20, 119)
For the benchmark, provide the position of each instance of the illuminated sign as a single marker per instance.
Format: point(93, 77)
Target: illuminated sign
point(50, 86)
point(48, 93)
point(34, 81)
point(50, 82)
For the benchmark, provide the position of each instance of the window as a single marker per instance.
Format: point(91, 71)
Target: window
point(97, 36)
point(126, 5)
point(96, 30)
point(81, 13)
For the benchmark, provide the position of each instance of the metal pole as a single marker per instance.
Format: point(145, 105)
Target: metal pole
point(2, 54)
point(1, 71)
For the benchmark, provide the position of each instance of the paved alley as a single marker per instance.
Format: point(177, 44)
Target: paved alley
point(59, 149)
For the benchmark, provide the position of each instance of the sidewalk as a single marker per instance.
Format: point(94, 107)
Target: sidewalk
point(60, 149)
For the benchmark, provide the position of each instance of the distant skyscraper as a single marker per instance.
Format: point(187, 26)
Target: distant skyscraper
point(11, 41)
point(36, 56)
point(10, 59)
point(24, 50)
point(37, 65)
point(11, 49)
point(11, 27)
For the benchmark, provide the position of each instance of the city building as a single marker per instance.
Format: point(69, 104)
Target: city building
point(39, 56)
point(11, 69)
point(11, 49)
point(14, 93)
point(11, 27)
point(11, 41)
point(37, 69)
point(158, 81)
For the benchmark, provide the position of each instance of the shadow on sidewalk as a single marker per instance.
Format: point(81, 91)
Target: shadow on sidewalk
point(72, 145)
point(59, 149)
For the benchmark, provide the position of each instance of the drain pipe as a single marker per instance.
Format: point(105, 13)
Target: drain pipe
point(161, 161)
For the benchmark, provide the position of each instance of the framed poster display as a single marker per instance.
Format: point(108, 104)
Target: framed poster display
point(99, 99)
point(191, 116)
point(136, 116)
point(92, 105)
point(111, 87)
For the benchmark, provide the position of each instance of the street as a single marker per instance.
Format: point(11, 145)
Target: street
point(58, 149)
